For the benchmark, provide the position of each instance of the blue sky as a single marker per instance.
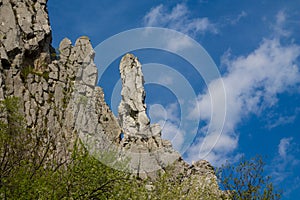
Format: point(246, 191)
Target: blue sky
point(256, 47)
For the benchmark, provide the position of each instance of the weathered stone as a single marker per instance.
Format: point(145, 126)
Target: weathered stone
point(53, 75)
point(44, 85)
point(24, 17)
point(27, 113)
point(9, 32)
point(53, 67)
point(41, 18)
point(82, 51)
point(58, 94)
point(142, 141)
point(32, 88)
point(45, 96)
point(33, 111)
point(60, 97)
point(18, 86)
point(89, 76)
point(39, 94)
point(62, 75)
point(65, 49)
point(25, 31)
point(132, 109)
point(3, 54)
point(1, 94)
point(9, 83)
point(26, 96)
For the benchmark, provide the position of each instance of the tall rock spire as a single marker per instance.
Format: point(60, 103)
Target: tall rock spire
point(132, 109)
point(142, 142)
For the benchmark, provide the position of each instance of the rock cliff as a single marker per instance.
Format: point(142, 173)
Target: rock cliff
point(61, 102)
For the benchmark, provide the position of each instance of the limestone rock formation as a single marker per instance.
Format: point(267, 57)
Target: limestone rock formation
point(132, 109)
point(61, 102)
point(142, 142)
point(25, 33)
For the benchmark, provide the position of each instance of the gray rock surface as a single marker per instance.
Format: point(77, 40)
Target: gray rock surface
point(25, 33)
point(132, 109)
point(142, 142)
point(61, 102)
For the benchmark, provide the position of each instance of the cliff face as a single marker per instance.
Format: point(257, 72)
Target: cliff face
point(29, 71)
point(25, 33)
point(60, 99)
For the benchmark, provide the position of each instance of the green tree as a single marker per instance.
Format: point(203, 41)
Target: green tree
point(246, 180)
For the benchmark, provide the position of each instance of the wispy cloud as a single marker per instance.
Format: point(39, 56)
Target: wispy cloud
point(285, 163)
point(279, 27)
point(236, 20)
point(252, 83)
point(178, 18)
point(283, 147)
point(279, 119)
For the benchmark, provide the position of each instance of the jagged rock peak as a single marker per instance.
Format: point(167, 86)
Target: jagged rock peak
point(60, 100)
point(25, 33)
point(132, 109)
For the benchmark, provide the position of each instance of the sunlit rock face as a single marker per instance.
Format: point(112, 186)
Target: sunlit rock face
point(132, 109)
point(60, 100)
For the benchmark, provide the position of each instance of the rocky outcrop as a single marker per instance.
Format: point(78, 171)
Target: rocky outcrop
point(142, 142)
point(25, 33)
point(147, 151)
point(29, 70)
point(132, 109)
point(61, 102)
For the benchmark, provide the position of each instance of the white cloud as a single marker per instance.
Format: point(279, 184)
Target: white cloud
point(238, 18)
point(280, 120)
point(283, 147)
point(171, 132)
point(166, 80)
point(178, 18)
point(158, 113)
point(177, 42)
point(279, 27)
point(285, 162)
point(252, 84)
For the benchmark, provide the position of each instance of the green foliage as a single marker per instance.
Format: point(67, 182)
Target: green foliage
point(29, 171)
point(194, 187)
point(246, 180)
point(25, 71)
point(14, 145)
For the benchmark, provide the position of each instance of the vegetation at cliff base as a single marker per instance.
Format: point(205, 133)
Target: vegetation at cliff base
point(29, 169)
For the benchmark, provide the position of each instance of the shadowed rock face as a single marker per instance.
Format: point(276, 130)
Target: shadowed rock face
point(25, 33)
